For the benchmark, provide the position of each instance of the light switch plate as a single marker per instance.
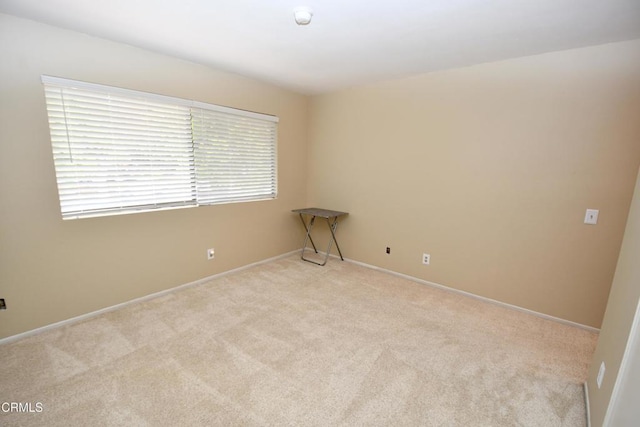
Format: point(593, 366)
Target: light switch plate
point(591, 217)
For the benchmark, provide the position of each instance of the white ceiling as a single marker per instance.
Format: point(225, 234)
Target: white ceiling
point(349, 42)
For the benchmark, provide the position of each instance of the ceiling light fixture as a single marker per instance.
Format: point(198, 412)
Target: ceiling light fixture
point(302, 15)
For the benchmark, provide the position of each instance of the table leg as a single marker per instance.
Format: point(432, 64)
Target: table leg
point(307, 238)
point(333, 225)
point(308, 230)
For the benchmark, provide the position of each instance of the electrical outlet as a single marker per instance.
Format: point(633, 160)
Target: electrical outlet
point(600, 374)
point(211, 253)
point(3, 305)
point(426, 259)
point(388, 250)
point(591, 217)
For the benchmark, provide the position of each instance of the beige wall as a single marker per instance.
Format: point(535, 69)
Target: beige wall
point(618, 318)
point(52, 270)
point(489, 169)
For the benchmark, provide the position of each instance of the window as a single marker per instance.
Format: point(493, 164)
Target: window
point(118, 151)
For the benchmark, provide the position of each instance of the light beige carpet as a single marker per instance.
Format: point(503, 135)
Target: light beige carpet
point(291, 343)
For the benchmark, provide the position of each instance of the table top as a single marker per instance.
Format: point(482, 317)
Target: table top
point(322, 213)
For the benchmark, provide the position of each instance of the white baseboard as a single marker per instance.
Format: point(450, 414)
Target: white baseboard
point(471, 295)
point(89, 315)
point(586, 403)
point(224, 273)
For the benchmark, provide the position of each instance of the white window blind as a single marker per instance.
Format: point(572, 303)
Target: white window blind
point(118, 151)
point(235, 157)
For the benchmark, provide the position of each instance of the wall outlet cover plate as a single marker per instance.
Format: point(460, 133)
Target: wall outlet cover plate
point(591, 217)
